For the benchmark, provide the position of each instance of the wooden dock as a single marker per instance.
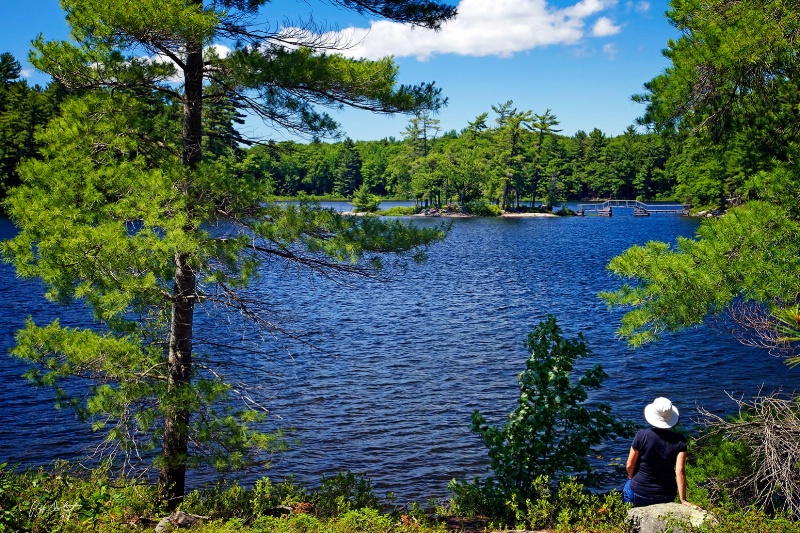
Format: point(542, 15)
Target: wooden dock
point(640, 209)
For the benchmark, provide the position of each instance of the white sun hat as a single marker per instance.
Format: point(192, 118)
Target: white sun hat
point(661, 413)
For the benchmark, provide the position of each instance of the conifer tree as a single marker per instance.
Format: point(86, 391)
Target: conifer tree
point(730, 93)
point(125, 211)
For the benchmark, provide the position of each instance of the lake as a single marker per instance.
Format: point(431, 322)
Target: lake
point(393, 371)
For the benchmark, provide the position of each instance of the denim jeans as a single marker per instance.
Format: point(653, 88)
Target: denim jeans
point(638, 500)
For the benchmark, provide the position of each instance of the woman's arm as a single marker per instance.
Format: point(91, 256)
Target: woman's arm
point(633, 459)
point(680, 477)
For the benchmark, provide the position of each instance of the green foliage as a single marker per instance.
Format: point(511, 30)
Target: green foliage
point(553, 429)
point(335, 497)
point(223, 499)
point(461, 168)
point(750, 520)
point(266, 496)
point(23, 111)
point(568, 507)
point(472, 498)
point(751, 253)
point(483, 208)
point(400, 211)
point(364, 201)
point(730, 95)
point(66, 499)
point(143, 207)
point(63, 499)
point(348, 178)
point(717, 465)
point(364, 521)
point(343, 492)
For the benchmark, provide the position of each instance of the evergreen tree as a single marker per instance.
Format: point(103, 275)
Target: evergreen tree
point(124, 210)
point(731, 92)
point(23, 110)
point(511, 128)
point(543, 126)
point(348, 170)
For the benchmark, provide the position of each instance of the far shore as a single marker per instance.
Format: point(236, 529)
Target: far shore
point(459, 215)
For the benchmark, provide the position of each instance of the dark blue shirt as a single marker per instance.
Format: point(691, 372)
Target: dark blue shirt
point(655, 471)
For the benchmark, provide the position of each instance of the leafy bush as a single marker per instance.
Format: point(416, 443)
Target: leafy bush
point(400, 211)
point(482, 208)
point(751, 520)
point(63, 499)
point(474, 498)
point(568, 508)
point(364, 521)
point(223, 499)
point(717, 466)
point(344, 492)
point(553, 429)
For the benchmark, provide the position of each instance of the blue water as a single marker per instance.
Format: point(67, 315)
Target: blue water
point(394, 370)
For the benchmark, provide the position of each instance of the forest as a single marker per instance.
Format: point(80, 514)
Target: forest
point(506, 156)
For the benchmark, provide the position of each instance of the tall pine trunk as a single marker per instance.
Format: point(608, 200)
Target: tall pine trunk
point(175, 445)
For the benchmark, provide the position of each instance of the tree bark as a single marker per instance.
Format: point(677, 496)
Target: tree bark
point(175, 445)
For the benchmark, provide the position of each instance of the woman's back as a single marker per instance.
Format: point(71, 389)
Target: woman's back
point(655, 471)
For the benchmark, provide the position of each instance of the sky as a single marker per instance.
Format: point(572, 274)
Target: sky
point(582, 60)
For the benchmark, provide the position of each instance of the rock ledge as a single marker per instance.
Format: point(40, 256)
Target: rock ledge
point(663, 516)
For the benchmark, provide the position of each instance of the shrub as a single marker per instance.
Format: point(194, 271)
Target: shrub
point(63, 499)
point(553, 429)
point(753, 457)
point(266, 497)
point(400, 211)
point(344, 492)
point(363, 521)
point(570, 507)
point(482, 208)
point(751, 521)
point(475, 498)
point(222, 499)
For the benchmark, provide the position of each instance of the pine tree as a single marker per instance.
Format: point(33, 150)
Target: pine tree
point(121, 211)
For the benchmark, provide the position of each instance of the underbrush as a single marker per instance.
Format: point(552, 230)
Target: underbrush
point(569, 507)
point(68, 499)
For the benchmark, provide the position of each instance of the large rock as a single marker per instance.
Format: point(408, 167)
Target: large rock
point(660, 517)
point(179, 520)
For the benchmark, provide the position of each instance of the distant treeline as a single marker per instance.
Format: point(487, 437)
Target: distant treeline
point(515, 159)
point(23, 109)
point(512, 158)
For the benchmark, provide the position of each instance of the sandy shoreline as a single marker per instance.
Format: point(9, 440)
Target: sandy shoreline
point(462, 215)
point(527, 215)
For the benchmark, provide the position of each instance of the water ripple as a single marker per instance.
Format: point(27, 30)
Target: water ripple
point(406, 363)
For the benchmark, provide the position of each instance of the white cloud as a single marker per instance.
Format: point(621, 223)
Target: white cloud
point(643, 6)
point(221, 50)
point(25, 73)
point(610, 50)
point(604, 27)
point(482, 28)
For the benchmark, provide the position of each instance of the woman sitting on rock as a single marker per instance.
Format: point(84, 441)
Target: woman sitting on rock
point(656, 461)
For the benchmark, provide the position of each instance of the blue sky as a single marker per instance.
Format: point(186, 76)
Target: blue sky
point(581, 59)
